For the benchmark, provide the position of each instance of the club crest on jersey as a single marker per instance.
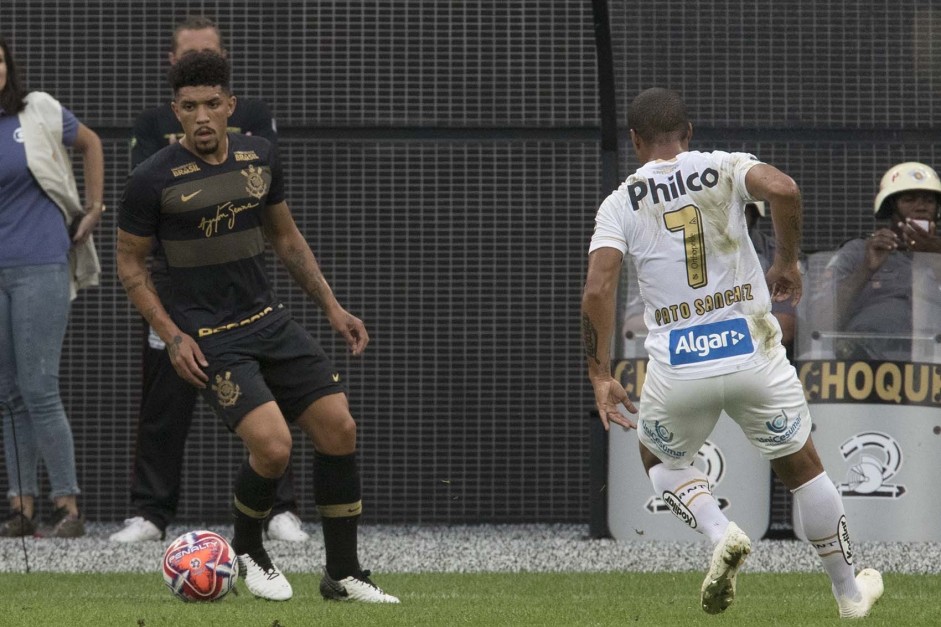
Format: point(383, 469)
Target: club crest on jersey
point(707, 342)
point(255, 184)
point(675, 186)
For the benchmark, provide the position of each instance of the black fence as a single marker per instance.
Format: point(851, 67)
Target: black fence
point(444, 161)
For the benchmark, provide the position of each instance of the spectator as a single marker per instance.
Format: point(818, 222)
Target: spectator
point(46, 255)
point(868, 282)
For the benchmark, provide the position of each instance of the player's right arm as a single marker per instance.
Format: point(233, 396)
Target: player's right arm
point(131, 254)
point(598, 312)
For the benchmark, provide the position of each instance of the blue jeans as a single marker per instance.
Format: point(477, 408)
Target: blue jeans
point(34, 311)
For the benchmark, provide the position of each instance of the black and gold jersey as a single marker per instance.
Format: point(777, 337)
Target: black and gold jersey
point(208, 219)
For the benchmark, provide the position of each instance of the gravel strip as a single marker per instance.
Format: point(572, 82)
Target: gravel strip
point(466, 549)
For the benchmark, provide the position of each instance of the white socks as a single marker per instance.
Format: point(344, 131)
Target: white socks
point(687, 493)
point(823, 521)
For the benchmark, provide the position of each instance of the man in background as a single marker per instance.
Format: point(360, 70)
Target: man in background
point(869, 281)
point(167, 401)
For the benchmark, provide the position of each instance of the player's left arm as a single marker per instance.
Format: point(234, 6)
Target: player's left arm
point(295, 253)
point(766, 182)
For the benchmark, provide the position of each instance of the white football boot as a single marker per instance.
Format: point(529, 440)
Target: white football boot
point(718, 589)
point(286, 526)
point(869, 582)
point(137, 529)
point(353, 588)
point(263, 578)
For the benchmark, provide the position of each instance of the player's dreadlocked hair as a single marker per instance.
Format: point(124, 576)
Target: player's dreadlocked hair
point(657, 112)
point(199, 69)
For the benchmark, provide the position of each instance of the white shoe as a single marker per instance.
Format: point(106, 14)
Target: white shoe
point(263, 578)
point(286, 526)
point(718, 589)
point(353, 589)
point(870, 586)
point(137, 529)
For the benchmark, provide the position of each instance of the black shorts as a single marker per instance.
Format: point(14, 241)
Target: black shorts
point(280, 362)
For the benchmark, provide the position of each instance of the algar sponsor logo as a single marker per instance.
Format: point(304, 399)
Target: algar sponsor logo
point(706, 342)
point(675, 185)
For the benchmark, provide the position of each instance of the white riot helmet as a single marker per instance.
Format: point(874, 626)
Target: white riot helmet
point(902, 178)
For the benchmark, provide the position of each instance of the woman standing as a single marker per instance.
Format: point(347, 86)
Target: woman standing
point(46, 255)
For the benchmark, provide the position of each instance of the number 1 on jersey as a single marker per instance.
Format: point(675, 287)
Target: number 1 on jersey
point(688, 219)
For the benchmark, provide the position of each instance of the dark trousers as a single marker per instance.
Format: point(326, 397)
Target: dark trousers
point(166, 413)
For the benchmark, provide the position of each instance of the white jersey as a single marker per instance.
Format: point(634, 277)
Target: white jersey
point(706, 303)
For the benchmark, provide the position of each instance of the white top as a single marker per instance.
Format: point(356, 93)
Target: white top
point(706, 303)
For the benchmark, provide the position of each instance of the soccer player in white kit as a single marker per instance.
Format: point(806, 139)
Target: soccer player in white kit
point(712, 340)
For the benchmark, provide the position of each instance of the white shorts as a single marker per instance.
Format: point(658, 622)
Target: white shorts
point(767, 402)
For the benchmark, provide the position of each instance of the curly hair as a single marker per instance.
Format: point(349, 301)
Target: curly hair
point(656, 113)
point(200, 69)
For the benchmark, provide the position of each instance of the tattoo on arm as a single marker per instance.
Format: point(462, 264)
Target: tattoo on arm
point(590, 339)
point(135, 281)
point(308, 276)
point(174, 347)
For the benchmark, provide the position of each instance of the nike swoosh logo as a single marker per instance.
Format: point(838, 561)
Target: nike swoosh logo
point(336, 377)
point(188, 197)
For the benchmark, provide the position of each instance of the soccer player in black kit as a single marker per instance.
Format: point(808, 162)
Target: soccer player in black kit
point(213, 200)
point(167, 401)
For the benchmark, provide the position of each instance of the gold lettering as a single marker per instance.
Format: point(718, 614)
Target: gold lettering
point(855, 370)
point(746, 291)
point(226, 211)
point(203, 332)
point(811, 386)
point(631, 373)
point(210, 226)
point(936, 384)
point(189, 168)
point(871, 382)
point(912, 393)
point(888, 382)
point(832, 380)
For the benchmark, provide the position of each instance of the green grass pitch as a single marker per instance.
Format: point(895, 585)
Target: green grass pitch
point(141, 600)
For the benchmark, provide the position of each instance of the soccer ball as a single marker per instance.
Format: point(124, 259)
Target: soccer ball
point(200, 566)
